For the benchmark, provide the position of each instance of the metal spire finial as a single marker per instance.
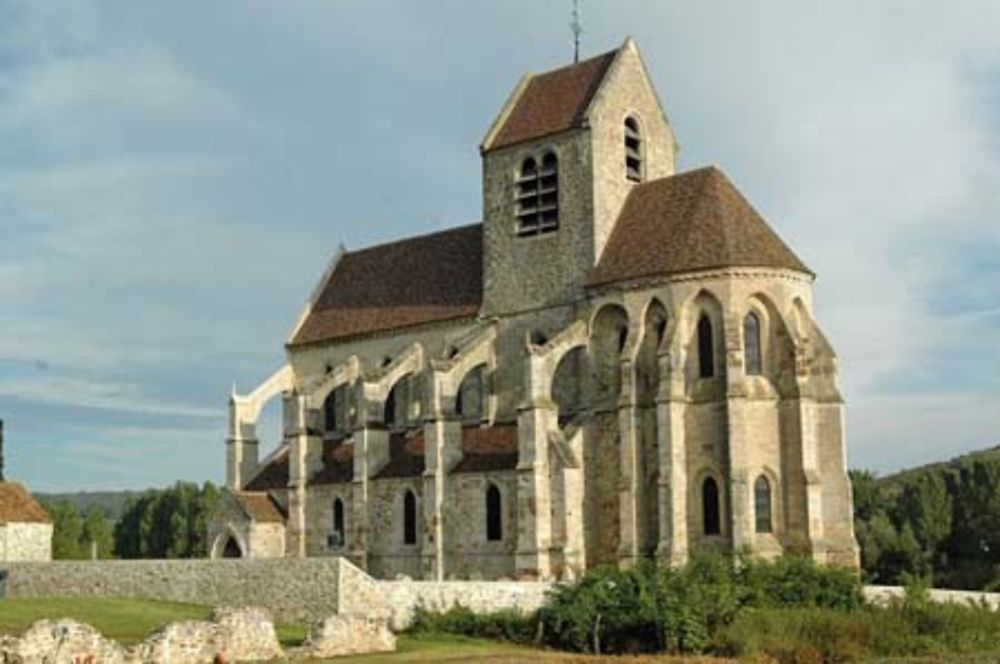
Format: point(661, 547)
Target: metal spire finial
point(577, 29)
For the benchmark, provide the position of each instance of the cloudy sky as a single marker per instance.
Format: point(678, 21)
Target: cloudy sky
point(175, 176)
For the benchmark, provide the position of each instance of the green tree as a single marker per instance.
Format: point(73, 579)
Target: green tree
point(67, 529)
point(925, 505)
point(169, 523)
point(96, 530)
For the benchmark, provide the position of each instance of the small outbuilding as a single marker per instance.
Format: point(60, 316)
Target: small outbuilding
point(25, 526)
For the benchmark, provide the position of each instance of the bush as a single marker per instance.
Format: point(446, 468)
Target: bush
point(795, 581)
point(790, 610)
point(680, 610)
point(608, 610)
point(505, 625)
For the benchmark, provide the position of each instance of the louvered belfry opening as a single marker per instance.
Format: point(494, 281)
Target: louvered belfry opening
point(538, 196)
point(633, 150)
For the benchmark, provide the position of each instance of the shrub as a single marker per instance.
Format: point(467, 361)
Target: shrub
point(507, 625)
point(796, 581)
point(608, 610)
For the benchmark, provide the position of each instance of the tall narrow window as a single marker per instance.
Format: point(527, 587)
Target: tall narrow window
point(762, 504)
point(337, 535)
point(753, 358)
point(706, 348)
point(633, 150)
point(710, 506)
point(538, 196)
point(409, 518)
point(494, 518)
point(389, 412)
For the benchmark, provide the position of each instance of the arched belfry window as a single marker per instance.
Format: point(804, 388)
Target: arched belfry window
point(762, 504)
point(710, 506)
point(633, 150)
point(337, 534)
point(706, 348)
point(753, 358)
point(538, 195)
point(494, 515)
point(409, 518)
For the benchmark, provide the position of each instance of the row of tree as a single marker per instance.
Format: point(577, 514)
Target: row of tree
point(941, 522)
point(167, 523)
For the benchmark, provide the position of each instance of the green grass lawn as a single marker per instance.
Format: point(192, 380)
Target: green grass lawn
point(127, 621)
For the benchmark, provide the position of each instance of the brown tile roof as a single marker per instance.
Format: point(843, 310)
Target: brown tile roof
point(419, 280)
point(406, 456)
point(259, 506)
point(19, 506)
point(688, 222)
point(273, 476)
point(553, 101)
point(489, 448)
point(338, 463)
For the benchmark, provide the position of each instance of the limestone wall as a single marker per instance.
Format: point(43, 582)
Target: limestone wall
point(26, 541)
point(403, 597)
point(291, 589)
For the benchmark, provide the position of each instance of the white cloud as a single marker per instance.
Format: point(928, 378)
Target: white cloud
point(170, 190)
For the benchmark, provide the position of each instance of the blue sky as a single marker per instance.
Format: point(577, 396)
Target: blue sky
point(175, 176)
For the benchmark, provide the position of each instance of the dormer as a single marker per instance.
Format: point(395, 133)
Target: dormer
point(558, 162)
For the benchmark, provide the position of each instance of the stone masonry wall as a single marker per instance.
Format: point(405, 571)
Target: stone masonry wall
point(26, 541)
point(403, 597)
point(291, 589)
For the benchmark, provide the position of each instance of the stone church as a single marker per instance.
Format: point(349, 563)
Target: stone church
point(620, 362)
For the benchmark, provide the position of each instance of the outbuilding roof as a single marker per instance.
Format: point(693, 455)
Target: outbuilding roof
point(259, 506)
point(552, 102)
point(689, 222)
point(274, 475)
point(419, 280)
point(19, 506)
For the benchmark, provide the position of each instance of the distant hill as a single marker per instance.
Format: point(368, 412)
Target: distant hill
point(112, 503)
point(901, 476)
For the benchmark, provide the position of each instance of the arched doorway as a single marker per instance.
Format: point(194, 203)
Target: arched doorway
point(231, 549)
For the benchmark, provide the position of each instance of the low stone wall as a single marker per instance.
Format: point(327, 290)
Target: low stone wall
point(292, 589)
point(885, 594)
point(403, 597)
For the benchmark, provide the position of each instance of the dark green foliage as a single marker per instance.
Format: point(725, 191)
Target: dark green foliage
point(67, 531)
point(73, 534)
point(651, 609)
point(941, 521)
point(169, 523)
point(505, 625)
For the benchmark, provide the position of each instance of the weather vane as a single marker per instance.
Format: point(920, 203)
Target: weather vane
point(577, 29)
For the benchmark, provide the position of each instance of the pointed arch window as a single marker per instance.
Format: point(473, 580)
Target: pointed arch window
point(633, 150)
point(494, 514)
point(337, 535)
point(752, 356)
point(710, 507)
point(706, 348)
point(409, 518)
point(762, 505)
point(537, 195)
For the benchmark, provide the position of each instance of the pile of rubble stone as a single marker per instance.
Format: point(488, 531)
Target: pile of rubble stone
point(232, 635)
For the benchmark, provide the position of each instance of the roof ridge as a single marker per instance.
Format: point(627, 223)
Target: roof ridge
point(586, 61)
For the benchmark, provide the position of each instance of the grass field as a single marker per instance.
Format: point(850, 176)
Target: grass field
point(127, 621)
